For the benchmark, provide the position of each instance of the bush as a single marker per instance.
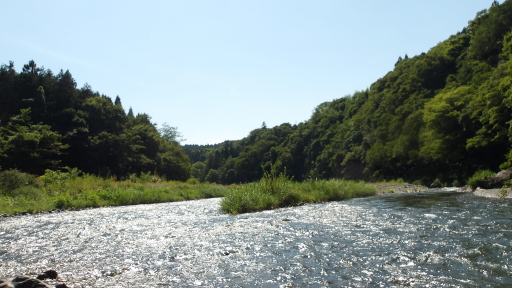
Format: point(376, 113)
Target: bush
point(193, 181)
point(28, 192)
point(150, 178)
point(280, 191)
point(11, 180)
point(482, 179)
point(63, 202)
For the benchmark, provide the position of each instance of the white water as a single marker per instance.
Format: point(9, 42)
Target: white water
point(435, 239)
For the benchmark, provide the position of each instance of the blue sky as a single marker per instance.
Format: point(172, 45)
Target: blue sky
point(219, 69)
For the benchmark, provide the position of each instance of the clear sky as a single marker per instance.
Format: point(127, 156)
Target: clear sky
point(217, 69)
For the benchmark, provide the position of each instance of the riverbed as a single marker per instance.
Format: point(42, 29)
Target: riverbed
point(429, 239)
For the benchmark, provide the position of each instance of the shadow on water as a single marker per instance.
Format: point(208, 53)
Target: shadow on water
point(428, 199)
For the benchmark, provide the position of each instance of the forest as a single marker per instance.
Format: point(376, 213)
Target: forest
point(47, 123)
point(437, 117)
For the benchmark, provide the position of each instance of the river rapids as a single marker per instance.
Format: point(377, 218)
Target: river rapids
point(430, 239)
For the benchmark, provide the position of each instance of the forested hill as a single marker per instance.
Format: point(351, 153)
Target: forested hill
point(440, 115)
point(47, 123)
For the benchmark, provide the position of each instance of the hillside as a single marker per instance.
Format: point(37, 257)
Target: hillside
point(48, 123)
point(441, 115)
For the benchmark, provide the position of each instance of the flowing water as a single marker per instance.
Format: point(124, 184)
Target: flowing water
point(432, 239)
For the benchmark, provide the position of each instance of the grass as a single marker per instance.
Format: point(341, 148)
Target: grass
point(275, 191)
point(21, 192)
point(71, 189)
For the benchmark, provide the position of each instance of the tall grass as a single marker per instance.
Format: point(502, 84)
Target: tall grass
point(71, 189)
point(275, 191)
point(482, 179)
point(21, 192)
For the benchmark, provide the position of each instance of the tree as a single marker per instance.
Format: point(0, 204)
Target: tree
point(9, 102)
point(117, 102)
point(130, 113)
point(31, 68)
point(29, 147)
point(172, 162)
point(199, 171)
point(171, 134)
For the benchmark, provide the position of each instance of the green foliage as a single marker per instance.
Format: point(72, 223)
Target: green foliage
point(213, 176)
point(440, 115)
point(48, 123)
point(72, 189)
point(148, 177)
point(28, 147)
point(11, 181)
point(199, 171)
point(193, 181)
point(170, 133)
point(482, 179)
point(443, 115)
point(271, 192)
point(278, 190)
point(503, 193)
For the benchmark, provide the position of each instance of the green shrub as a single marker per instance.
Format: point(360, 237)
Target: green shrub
point(150, 178)
point(55, 177)
point(28, 192)
point(193, 181)
point(280, 191)
point(481, 179)
point(11, 180)
point(63, 202)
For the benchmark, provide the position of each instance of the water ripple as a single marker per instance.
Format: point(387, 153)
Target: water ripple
point(435, 239)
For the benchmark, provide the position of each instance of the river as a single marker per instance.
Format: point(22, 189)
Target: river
point(431, 239)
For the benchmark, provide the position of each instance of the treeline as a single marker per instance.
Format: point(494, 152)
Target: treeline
point(437, 117)
point(47, 123)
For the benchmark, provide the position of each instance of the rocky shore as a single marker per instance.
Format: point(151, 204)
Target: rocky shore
point(387, 189)
point(494, 193)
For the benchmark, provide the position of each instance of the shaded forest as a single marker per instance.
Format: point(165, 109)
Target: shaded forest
point(436, 117)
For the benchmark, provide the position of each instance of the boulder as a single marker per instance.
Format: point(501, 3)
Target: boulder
point(29, 282)
point(50, 274)
point(499, 179)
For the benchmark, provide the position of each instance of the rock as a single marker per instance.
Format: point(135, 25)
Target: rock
point(436, 184)
point(5, 284)
point(499, 179)
point(28, 282)
point(229, 252)
point(50, 274)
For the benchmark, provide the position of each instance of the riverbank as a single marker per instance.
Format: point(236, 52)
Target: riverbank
point(493, 193)
point(386, 188)
point(22, 193)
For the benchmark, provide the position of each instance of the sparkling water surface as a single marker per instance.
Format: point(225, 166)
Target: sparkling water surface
point(431, 239)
